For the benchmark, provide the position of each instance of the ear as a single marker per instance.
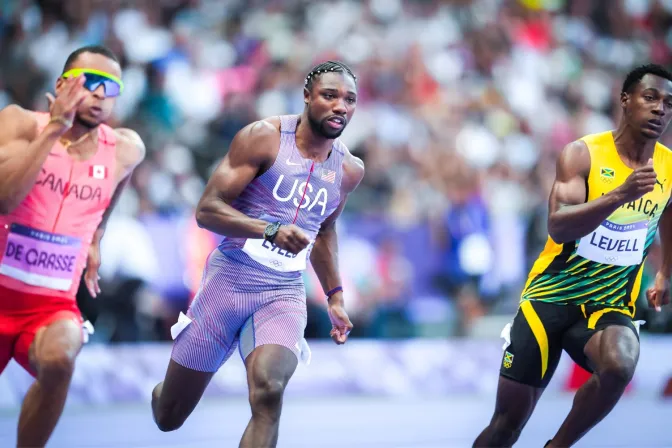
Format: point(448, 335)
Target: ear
point(306, 95)
point(59, 83)
point(625, 99)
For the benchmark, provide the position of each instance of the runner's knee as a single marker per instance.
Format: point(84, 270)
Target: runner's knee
point(55, 352)
point(505, 429)
point(266, 394)
point(169, 415)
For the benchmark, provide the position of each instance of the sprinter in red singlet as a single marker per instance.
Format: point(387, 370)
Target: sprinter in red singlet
point(61, 174)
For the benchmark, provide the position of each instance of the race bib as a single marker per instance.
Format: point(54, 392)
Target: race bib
point(271, 256)
point(40, 258)
point(615, 244)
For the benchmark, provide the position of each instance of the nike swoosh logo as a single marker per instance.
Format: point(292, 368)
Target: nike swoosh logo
point(292, 163)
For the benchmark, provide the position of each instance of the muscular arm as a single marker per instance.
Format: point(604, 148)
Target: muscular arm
point(251, 149)
point(22, 153)
point(570, 216)
point(131, 152)
point(324, 256)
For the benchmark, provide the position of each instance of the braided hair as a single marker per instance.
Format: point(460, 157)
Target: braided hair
point(325, 67)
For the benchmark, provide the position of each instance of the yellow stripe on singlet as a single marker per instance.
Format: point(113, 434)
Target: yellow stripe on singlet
point(634, 294)
point(578, 265)
point(539, 333)
point(551, 251)
point(550, 290)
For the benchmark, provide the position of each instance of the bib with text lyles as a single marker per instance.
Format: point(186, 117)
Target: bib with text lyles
point(615, 244)
point(40, 258)
point(271, 256)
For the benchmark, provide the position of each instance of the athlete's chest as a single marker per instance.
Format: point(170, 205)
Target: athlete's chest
point(64, 180)
point(649, 206)
point(623, 238)
point(315, 191)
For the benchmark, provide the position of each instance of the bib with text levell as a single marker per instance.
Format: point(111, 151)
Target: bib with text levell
point(615, 244)
point(40, 258)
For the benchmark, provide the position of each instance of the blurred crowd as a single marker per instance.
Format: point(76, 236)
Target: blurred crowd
point(463, 108)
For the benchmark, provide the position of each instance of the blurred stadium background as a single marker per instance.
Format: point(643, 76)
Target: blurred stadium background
point(463, 108)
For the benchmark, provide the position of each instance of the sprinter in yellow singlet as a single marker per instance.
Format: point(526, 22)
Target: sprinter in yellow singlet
point(611, 194)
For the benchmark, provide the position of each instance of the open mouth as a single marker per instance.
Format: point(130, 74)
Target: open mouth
point(336, 122)
point(656, 123)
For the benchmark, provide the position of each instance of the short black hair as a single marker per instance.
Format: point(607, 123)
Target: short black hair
point(325, 67)
point(636, 75)
point(95, 49)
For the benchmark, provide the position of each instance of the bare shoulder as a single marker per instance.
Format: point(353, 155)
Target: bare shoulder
point(18, 114)
point(576, 148)
point(574, 160)
point(353, 171)
point(17, 123)
point(131, 149)
point(258, 141)
point(257, 131)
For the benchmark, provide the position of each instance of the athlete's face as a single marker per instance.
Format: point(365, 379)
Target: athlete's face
point(649, 106)
point(96, 107)
point(331, 103)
